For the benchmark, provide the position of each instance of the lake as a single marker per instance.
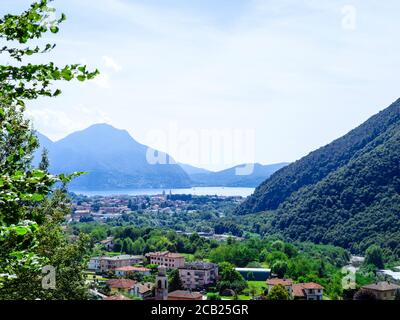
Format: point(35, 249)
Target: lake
point(198, 191)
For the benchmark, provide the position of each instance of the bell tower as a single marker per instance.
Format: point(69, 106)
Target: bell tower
point(162, 284)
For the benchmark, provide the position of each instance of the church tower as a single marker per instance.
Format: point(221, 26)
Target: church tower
point(162, 284)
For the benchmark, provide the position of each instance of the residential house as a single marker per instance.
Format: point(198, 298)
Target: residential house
point(198, 275)
point(118, 297)
point(167, 259)
point(108, 243)
point(308, 291)
point(121, 285)
point(143, 290)
point(129, 270)
point(184, 295)
point(94, 263)
point(383, 290)
point(287, 283)
point(106, 264)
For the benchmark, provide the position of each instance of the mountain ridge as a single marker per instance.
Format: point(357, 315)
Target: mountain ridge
point(346, 193)
point(115, 161)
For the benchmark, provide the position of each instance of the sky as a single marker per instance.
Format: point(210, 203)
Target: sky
point(222, 82)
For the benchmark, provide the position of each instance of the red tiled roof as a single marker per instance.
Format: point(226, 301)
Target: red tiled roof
point(298, 291)
point(184, 294)
point(165, 254)
point(121, 283)
point(132, 269)
point(145, 287)
point(117, 297)
point(312, 285)
point(276, 281)
point(298, 288)
point(382, 286)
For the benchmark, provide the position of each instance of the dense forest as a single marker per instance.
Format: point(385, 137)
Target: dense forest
point(346, 193)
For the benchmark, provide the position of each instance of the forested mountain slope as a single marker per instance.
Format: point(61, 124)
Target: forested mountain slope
point(346, 193)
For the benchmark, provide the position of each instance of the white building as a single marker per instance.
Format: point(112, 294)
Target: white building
point(198, 275)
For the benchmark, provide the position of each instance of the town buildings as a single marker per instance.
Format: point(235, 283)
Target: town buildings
point(106, 264)
point(383, 290)
point(130, 270)
point(108, 243)
point(184, 295)
point(286, 283)
point(298, 291)
point(198, 275)
point(161, 291)
point(167, 259)
point(121, 285)
point(308, 291)
point(142, 290)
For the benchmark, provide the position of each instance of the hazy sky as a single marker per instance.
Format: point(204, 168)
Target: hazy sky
point(295, 74)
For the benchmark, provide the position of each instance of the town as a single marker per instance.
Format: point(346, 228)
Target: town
point(181, 247)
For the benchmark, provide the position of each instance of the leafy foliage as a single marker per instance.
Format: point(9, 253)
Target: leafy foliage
point(30, 232)
point(278, 293)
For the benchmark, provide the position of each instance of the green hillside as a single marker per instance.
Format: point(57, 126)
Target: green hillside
point(346, 193)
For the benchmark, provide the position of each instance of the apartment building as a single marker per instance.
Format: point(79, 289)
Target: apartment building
point(167, 259)
point(198, 275)
point(106, 264)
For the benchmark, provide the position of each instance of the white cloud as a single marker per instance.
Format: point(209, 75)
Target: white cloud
point(56, 123)
point(102, 81)
point(110, 63)
point(283, 67)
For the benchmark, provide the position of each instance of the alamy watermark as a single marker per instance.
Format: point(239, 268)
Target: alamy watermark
point(349, 17)
point(206, 147)
point(49, 278)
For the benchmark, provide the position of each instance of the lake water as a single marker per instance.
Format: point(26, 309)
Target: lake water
point(198, 191)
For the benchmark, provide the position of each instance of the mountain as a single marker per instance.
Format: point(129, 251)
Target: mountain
point(230, 178)
point(346, 193)
point(191, 170)
point(113, 160)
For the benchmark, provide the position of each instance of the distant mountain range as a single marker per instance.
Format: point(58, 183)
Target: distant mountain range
point(229, 178)
point(346, 193)
point(114, 160)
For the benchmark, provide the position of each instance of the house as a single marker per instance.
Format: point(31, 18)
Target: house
point(254, 274)
point(108, 243)
point(94, 263)
point(184, 295)
point(128, 270)
point(106, 264)
point(287, 283)
point(383, 290)
point(308, 291)
point(118, 297)
point(198, 275)
point(142, 290)
point(167, 259)
point(121, 285)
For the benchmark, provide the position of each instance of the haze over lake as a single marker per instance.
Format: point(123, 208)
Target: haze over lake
point(198, 191)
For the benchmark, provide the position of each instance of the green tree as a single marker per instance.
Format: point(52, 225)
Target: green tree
point(280, 268)
point(26, 220)
point(127, 246)
point(213, 296)
point(175, 282)
point(278, 293)
point(138, 246)
point(278, 245)
point(44, 162)
point(230, 278)
point(374, 256)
